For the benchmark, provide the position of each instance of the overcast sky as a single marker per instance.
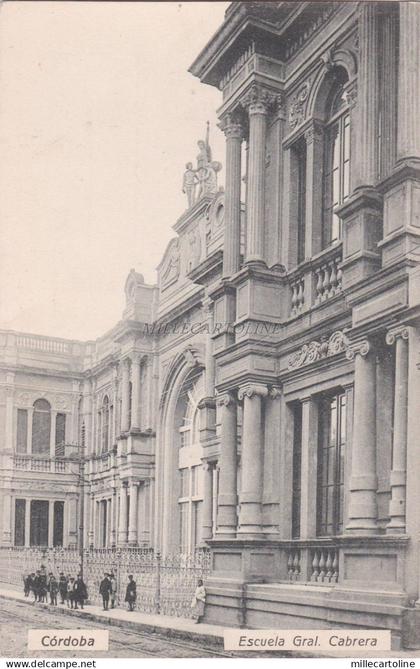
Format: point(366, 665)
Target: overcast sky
point(98, 116)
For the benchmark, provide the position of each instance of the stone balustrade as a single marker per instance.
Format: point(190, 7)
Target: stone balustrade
point(30, 463)
point(317, 563)
point(316, 281)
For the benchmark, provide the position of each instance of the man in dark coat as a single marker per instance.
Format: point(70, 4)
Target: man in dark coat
point(131, 593)
point(37, 586)
point(105, 590)
point(62, 587)
point(80, 592)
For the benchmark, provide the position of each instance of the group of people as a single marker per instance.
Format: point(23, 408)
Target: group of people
point(72, 591)
point(108, 591)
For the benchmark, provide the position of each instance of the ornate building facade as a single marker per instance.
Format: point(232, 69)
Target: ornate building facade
point(262, 398)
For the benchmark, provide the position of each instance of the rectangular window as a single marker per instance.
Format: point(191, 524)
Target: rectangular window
point(184, 482)
point(60, 433)
point(183, 530)
point(22, 431)
point(41, 431)
point(331, 454)
point(297, 468)
point(58, 523)
point(20, 509)
point(39, 523)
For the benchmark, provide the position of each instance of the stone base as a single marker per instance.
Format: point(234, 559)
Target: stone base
point(306, 606)
point(245, 561)
point(411, 628)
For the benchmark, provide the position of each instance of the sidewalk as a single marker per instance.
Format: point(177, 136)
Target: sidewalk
point(170, 626)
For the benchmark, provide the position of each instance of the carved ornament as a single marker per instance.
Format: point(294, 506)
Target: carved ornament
point(361, 347)
point(395, 333)
point(171, 268)
point(252, 389)
point(298, 104)
point(317, 350)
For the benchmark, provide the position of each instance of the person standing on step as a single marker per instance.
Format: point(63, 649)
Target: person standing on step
point(105, 591)
point(198, 601)
point(80, 592)
point(113, 590)
point(62, 587)
point(131, 593)
point(53, 589)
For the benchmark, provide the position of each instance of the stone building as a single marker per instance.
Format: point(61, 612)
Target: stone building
point(262, 398)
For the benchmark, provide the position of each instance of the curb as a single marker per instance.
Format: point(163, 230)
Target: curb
point(215, 640)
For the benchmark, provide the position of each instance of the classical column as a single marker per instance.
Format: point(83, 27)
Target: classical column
point(233, 131)
point(227, 496)
point(72, 523)
point(113, 519)
point(9, 411)
point(363, 481)
point(309, 468)
point(257, 102)
point(207, 508)
point(125, 396)
point(92, 522)
point(367, 97)
point(135, 395)
point(50, 523)
point(408, 140)
point(132, 521)
point(28, 522)
point(7, 518)
point(122, 521)
point(250, 516)
point(272, 454)
point(399, 337)
point(115, 404)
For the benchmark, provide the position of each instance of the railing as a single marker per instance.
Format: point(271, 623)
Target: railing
point(318, 563)
point(29, 463)
point(165, 583)
point(316, 281)
point(46, 344)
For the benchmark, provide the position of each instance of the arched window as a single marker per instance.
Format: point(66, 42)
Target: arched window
point(190, 464)
point(336, 158)
point(105, 424)
point(41, 427)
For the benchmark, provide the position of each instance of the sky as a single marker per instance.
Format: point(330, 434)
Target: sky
point(98, 116)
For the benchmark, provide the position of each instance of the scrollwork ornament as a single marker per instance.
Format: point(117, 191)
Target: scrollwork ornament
point(317, 350)
point(395, 333)
point(225, 400)
point(357, 348)
point(275, 392)
point(251, 390)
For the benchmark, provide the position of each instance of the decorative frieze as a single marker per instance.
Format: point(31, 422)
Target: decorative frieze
point(317, 350)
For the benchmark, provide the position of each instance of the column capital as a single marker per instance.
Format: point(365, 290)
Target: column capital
point(249, 390)
point(361, 347)
point(396, 332)
point(259, 99)
point(135, 358)
point(314, 132)
point(125, 363)
point(225, 400)
point(207, 304)
point(232, 126)
point(275, 392)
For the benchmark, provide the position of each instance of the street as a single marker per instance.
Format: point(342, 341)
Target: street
point(17, 618)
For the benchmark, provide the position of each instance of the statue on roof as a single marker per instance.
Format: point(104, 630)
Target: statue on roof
point(205, 174)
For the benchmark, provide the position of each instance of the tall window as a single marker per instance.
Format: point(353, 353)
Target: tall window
point(22, 431)
point(105, 424)
point(39, 523)
point(331, 454)
point(20, 507)
point(60, 433)
point(41, 427)
point(190, 464)
point(336, 159)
